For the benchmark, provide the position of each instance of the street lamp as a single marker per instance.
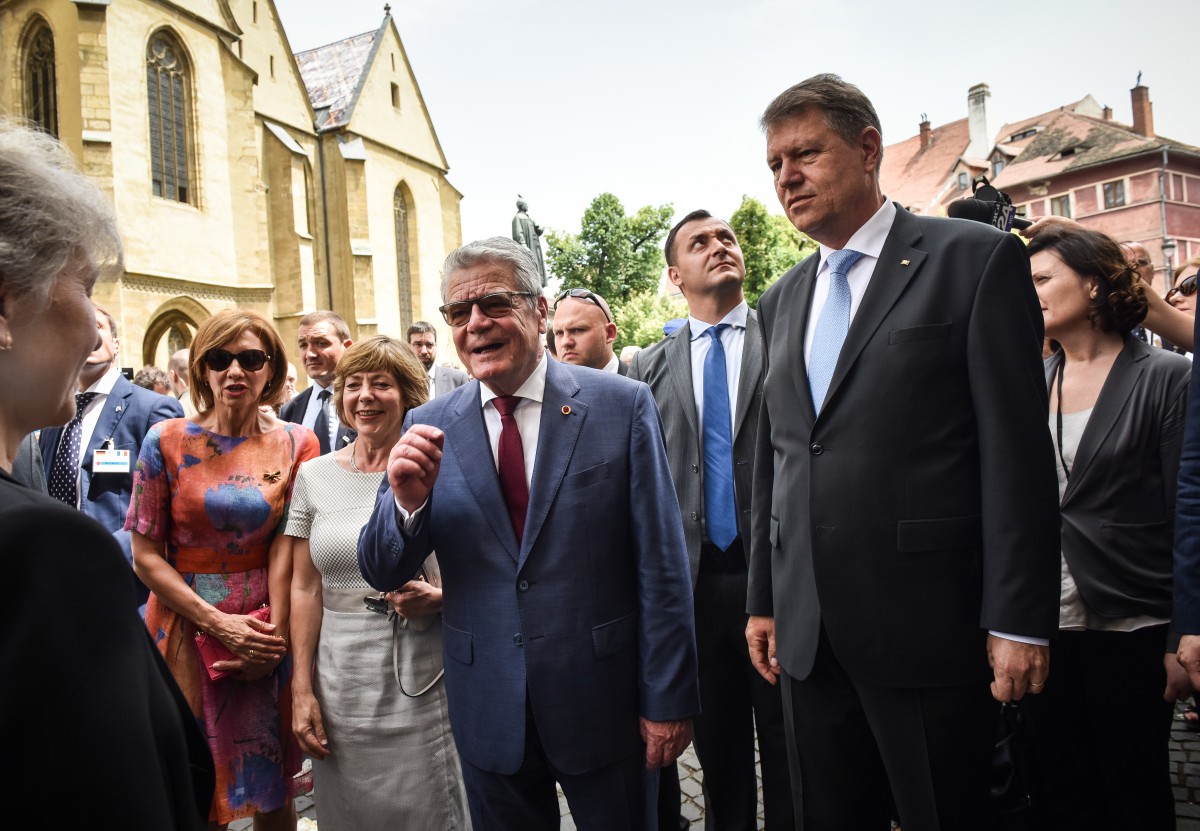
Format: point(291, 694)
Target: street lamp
point(1168, 249)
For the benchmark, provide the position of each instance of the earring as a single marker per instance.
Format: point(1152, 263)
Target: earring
point(8, 343)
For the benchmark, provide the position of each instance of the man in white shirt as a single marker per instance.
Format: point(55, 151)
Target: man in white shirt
point(177, 369)
point(321, 337)
point(422, 337)
point(89, 462)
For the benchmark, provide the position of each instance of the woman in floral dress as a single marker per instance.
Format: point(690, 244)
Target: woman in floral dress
point(209, 496)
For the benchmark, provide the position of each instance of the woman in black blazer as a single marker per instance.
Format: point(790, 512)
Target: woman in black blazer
point(93, 724)
point(1116, 419)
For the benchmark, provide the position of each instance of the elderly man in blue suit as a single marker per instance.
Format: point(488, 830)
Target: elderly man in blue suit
point(89, 461)
point(567, 621)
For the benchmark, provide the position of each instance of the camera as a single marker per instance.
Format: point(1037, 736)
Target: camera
point(987, 205)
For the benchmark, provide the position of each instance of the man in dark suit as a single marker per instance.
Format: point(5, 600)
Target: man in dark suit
point(905, 526)
point(567, 620)
point(322, 337)
point(422, 337)
point(584, 331)
point(89, 462)
point(708, 394)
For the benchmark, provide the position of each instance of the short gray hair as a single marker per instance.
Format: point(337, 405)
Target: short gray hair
point(51, 215)
point(498, 250)
point(846, 109)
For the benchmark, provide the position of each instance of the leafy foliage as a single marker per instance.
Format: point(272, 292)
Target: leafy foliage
point(614, 254)
point(643, 315)
point(770, 246)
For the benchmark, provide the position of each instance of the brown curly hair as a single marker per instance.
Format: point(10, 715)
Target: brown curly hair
point(1120, 303)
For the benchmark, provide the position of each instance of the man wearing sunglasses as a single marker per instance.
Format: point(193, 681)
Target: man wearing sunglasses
point(567, 621)
point(708, 392)
point(89, 462)
point(584, 331)
point(321, 337)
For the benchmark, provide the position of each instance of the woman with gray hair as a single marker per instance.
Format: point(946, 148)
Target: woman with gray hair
point(76, 671)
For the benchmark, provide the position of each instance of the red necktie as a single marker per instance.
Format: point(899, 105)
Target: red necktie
point(512, 463)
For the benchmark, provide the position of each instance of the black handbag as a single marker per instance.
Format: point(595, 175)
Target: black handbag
point(1012, 769)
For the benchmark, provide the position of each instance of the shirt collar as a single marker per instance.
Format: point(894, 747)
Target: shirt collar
point(611, 366)
point(533, 388)
point(736, 319)
point(869, 239)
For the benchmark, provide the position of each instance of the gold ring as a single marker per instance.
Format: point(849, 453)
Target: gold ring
point(1037, 685)
point(251, 653)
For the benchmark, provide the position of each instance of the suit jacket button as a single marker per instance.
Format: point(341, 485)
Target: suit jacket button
point(695, 516)
point(816, 448)
point(695, 468)
point(523, 585)
point(517, 639)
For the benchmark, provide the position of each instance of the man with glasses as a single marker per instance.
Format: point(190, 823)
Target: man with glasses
point(422, 337)
point(584, 331)
point(322, 337)
point(567, 625)
point(89, 462)
point(707, 379)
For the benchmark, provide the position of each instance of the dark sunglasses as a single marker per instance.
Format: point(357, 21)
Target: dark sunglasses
point(251, 360)
point(1186, 287)
point(494, 306)
point(582, 294)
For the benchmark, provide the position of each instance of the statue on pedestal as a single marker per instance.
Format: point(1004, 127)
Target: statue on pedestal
point(527, 233)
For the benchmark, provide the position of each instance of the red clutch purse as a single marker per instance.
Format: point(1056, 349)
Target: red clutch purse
point(212, 650)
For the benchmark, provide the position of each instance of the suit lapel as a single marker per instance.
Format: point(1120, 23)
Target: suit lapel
point(562, 421)
point(111, 414)
point(467, 434)
point(898, 263)
point(679, 370)
point(1110, 405)
point(799, 303)
point(751, 370)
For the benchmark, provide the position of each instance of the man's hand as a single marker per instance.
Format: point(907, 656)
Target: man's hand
point(665, 740)
point(1189, 658)
point(1019, 668)
point(414, 463)
point(1178, 686)
point(416, 598)
point(760, 637)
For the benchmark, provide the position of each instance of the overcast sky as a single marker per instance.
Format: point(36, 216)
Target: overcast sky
point(658, 101)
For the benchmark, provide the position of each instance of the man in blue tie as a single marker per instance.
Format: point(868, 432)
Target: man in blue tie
point(904, 546)
point(706, 377)
point(567, 620)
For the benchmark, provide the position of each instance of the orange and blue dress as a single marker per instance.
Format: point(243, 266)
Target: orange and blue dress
point(216, 502)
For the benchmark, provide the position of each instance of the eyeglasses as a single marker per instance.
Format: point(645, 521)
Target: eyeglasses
point(250, 360)
point(1186, 287)
point(495, 306)
point(582, 294)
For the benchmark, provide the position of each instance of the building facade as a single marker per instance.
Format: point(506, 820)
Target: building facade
point(1075, 161)
point(234, 187)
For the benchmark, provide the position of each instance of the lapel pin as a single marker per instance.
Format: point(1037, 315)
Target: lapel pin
point(271, 475)
point(905, 262)
point(566, 410)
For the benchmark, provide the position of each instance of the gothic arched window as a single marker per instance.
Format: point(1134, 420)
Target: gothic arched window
point(41, 90)
point(403, 274)
point(168, 83)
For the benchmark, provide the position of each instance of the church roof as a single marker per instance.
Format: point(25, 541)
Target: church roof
point(334, 75)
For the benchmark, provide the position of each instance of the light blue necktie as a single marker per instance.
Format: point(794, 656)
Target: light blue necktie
point(832, 326)
point(720, 513)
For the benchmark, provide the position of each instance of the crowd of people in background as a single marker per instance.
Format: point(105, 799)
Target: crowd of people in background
point(937, 472)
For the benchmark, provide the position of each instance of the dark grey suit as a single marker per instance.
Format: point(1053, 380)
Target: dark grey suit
point(446, 378)
point(294, 411)
point(733, 697)
point(914, 514)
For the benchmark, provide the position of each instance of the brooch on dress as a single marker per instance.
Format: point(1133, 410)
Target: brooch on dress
point(271, 475)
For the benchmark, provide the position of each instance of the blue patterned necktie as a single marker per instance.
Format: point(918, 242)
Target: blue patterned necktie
point(832, 326)
point(720, 514)
point(64, 473)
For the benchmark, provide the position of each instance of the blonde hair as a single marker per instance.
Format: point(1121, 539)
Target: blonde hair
point(382, 354)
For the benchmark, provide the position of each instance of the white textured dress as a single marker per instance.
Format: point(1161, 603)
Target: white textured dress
point(392, 762)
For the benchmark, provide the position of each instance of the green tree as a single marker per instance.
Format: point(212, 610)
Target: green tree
point(614, 254)
point(643, 315)
point(770, 245)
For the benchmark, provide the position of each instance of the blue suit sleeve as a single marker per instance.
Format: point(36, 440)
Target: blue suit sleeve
point(389, 557)
point(1187, 517)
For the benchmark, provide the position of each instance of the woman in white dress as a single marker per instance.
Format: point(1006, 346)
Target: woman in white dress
point(368, 702)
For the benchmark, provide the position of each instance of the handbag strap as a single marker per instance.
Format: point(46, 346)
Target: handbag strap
point(399, 623)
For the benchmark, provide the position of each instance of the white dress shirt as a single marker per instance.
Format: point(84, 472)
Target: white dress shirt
point(91, 418)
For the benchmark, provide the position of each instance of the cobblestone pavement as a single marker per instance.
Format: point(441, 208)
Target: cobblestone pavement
point(1185, 780)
